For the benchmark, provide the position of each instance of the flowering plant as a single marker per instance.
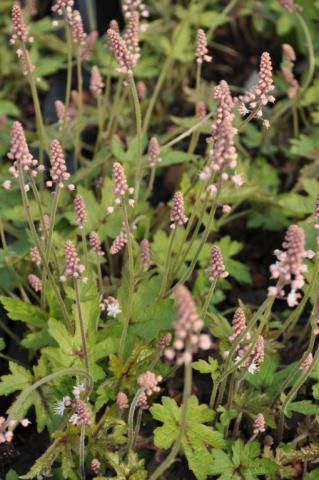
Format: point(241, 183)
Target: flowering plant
point(159, 270)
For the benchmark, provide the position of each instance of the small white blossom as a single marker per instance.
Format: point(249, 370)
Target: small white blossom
point(113, 309)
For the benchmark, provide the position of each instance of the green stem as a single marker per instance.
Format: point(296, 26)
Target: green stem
point(9, 332)
point(182, 428)
point(82, 452)
point(188, 132)
point(37, 242)
point(68, 79)
point(138, 120)
point(114, 109)
point(52, 221)
point(263, 312)
point(82, 326)
point(213, 394)
point(150, 182)
point(128, 311)
point(291, 321)
point(168, 261)
point(90, 10)
point(37, 108)
point(165, 68)
point(77, 146)
point(189, 226)
point(52, 376)
point(204, 235)
point(85, 248)
point(311, 53)
point(99, 274)
point(130, 421)
point(208, 299)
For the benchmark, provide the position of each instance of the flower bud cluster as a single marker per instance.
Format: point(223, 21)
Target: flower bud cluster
point(201, 48)
point(72, 265)
point(289, 58)
point(289, 268)
point(178, 216)
point(222, 153)
point(7, 426)
point(187, 326)
point(58, 172)
point(260, 94)
point(216, 268)
point(20, 154)
point(111, 306)
point(130, 6)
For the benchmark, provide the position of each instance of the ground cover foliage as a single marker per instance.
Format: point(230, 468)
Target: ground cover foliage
point(159, 219)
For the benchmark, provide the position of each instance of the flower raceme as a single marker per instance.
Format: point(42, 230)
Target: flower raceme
point(187, 326)
point(222, 152)
point(72, 265)
point(80, 211)
point(260, 94)
point(63, 7)
point(201, 48)
point(58, 172)
point(123, 56)
point(289, 268)
point(96, 82)
point(153, 152)
point(178, 217)
point(19, 152)
point(95, 244)
point(131, 36)
point(19, 27)
point(216, 267)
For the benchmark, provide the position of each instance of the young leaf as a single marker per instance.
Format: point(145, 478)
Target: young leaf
point(197, 436)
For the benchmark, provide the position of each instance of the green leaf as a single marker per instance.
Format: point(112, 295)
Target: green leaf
point(12, 475)
point(2, 344)
point(222, 463)
point(25, 312)
point(19, 379)
point(206, 367)
point(306, 407)
point(173, 157)
point(197, 436)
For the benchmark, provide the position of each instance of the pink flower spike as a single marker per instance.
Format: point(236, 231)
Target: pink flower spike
point(80, 211)
point(95, 244)
point(58, 171)
point(77, 29)
point(96, 82)
point(201, 48)
point(177, 212)
point(259, 425)
point(20, 30)
point(119, 242)
point(72, 265)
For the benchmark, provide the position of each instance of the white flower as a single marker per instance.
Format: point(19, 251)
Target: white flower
point(74, 419)
point(77, 389)
point(237, 180)
point(59, 407)
point(253, 367)
point(113, 309)
point(6, 184)
point(292, 299)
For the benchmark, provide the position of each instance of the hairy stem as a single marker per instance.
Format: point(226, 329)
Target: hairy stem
point(128, 311)
point(82, 325)
point(68, 79)
point(138, 120)
point(59, 373)
point(167, 264)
